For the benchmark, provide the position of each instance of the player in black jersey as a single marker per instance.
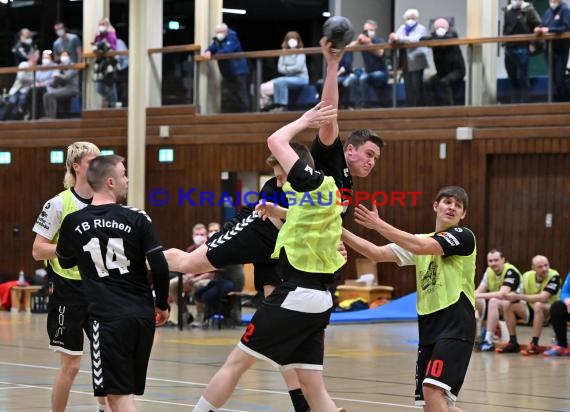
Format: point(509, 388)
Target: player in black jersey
point(252, 240)
point(110, 243)
point(67, 308)
point(288, 328)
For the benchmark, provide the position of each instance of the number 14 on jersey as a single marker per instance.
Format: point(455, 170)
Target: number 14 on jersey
point(114, 259)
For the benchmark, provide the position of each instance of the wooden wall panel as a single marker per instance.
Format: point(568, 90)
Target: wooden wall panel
point(523, 188)
point(205, 146)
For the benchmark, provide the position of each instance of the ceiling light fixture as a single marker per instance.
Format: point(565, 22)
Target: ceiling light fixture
point(234, 11)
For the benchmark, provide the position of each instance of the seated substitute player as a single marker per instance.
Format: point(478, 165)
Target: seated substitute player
point(491, 301)
point(288, 329)
point(445, 272)
point(541, 288)
point(110, 244)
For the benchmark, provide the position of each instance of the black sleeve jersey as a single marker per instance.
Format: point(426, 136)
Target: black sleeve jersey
point(512, 280)
point(269, 192)
point(272, 193)
point(553, 286)
point(456, 241)
point(109, 243)
point(331, 161)
point(303, 178)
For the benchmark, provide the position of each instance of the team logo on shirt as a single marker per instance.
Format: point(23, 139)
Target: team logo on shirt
point(309, 169)
point(552, 285)
point(449, 238)
point(429, 277)
point(458, 229)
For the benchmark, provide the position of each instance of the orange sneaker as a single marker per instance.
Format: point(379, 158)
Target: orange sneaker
point(531, 349)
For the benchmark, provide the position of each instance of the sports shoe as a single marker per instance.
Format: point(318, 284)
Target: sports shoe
point(557, 351)
point(487, 346)
point(509, 348)
point(531, 349)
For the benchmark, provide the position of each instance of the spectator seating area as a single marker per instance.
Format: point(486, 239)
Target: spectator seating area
point(307, 96)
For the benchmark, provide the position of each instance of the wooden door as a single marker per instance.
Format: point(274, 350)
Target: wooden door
point(528, 208)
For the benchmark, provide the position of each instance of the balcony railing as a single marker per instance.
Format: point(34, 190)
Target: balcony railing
point(180, 66)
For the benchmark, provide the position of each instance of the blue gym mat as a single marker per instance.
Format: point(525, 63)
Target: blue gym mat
point(401, 309)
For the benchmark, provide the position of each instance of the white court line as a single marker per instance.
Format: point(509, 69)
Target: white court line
point(90, 394)
point(25, 365)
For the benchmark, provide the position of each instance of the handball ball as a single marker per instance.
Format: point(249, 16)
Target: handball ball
point(339, 31)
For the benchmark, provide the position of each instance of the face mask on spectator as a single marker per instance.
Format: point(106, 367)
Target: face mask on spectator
point(516, 3)
point(102, 29)
point(64, 59)
point(410, 22)
point(198, 239)
point(440, 32)
point(554, 5)
point(27, 41)
point(220, 36)
point(371, 33)
point(46, 60)
point(60, 32)
point(292, 43)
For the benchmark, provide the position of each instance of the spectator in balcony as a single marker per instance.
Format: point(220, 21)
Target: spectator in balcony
point(520, 17)
point(449, 65)
point(556, 19)
point(18, 96)
point(105, 67)
point(375, 72)
point(295, 74)
point(347, 80)
point(64, 85)
point(66, 42)
point(44, 78)
point(23, 47)
point(412, 61)
point(235, 72)
point(122, 75)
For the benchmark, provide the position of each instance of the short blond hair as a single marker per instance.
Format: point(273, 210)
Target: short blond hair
point(75, 152)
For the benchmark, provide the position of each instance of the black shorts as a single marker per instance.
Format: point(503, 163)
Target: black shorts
point(250, 241)
point(65, 327)
point(265, 274)
point(288, 329)
point(443, 364)
point(120, 350)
